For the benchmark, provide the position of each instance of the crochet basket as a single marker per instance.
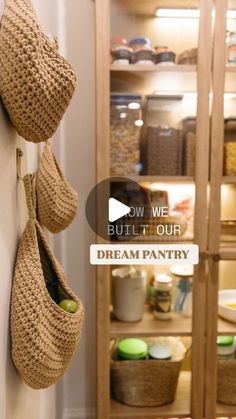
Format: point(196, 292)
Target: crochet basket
point(57, 201)
point(36, 82)
point(147, 383)
point(226, 384)
point(44, 337)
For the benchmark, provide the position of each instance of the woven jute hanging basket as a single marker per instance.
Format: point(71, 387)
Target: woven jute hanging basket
point(44, 337)
point(57, 200)
point(36, 82)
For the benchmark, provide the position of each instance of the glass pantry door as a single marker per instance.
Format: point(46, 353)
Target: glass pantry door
point(153, 127)
point(221, 327)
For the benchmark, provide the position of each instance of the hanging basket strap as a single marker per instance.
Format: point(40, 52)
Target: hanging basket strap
point(30, 195)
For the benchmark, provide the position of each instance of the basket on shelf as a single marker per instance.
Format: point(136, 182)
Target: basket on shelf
point(147, 383)
point(164, 151)
point(230, 158)
point(226, 384)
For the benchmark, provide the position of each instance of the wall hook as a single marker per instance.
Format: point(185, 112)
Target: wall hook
point(19, 155)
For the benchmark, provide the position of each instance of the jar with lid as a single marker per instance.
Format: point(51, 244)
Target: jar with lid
point(184, 293)
point(143, 51)
point(132, 349)
point(121, 53)
point(163, 296)
point(129, 288)
point(231, 42)
point(165, 56)
point(160, 351)
point(125, 130)
point(225, 347)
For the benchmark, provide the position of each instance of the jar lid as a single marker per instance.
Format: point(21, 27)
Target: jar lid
point(124, 97)
point(132, 348)
point(163, 278)
point(225, 340)
point(119, 40)
point(182, 270)
point(160, 351)
point(139, 41)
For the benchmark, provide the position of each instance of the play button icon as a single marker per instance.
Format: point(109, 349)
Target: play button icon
point(112, 209)
point(117, 210)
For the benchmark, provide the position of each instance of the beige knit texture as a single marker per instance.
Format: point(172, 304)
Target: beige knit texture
point(57, 201)
point(44, 337)
point(36, 82)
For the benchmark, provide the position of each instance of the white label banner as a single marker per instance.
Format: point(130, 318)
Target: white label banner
point(144, 254)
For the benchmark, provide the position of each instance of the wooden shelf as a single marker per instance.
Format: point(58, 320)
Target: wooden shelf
point(228, 179)
point(139, 68)
point(156, 179)
point(180, 408)
point(225, 410)
point(225, 327)
point(149, 326)
point(230, 69)
point(228, 251)
point(148, 7)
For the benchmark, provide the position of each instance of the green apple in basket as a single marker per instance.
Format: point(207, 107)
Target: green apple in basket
point(69, 305)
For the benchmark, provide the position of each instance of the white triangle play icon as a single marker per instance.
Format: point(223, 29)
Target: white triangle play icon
point(117, 210)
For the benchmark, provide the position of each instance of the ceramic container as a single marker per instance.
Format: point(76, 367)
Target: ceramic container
point(129, 293)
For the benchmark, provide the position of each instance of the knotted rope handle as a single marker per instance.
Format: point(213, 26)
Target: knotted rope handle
point(30, 195)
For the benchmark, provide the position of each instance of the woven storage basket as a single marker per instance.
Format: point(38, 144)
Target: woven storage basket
point(164, 151)
point(36, 83)
point(147, 383)
point(57, 201)
point(44, 337)
point(226, 383)
point(230, 158)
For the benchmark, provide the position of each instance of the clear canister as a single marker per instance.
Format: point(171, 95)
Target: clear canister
point(125, 130)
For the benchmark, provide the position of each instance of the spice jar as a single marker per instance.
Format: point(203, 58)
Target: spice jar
point(143, 51)
point(163, 297)
point(231, 42)
point(225, 347)
point(164, 56)
point(132, 349)
point(121, 53)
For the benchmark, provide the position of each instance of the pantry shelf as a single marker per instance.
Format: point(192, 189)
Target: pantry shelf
point(225, 410)
point(228, 179)
point(149, 326)
point(228, 251)
point(230, 69)
point(226, 328)
point(180, 408)
point(157, 179)
point(138, 68)
point(148, 7)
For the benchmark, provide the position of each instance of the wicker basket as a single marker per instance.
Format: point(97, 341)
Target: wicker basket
point(230, 158)
point(164, 151)
point(188, 57)
point(147, 383)
point(226, 388)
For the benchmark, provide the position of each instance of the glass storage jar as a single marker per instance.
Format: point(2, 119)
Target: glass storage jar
point(163, 297)
point(125, 129)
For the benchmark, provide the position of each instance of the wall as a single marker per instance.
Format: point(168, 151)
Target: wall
point(73, 23)
point(17, 401)
point(76, 149)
